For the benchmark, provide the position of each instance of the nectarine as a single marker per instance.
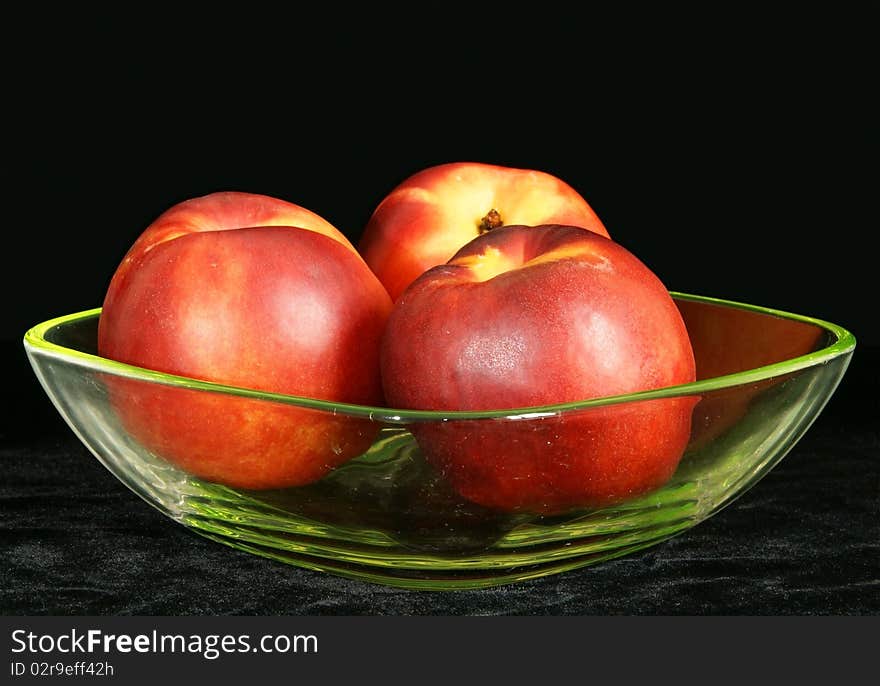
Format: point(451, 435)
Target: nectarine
point(430, 215)
point(532, 316)
point(209, 293)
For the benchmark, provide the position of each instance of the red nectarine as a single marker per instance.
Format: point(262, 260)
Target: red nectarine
point(433, 213)
point(532, 316)
point(272, 308)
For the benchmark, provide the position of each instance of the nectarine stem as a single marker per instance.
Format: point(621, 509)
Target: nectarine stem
point(492, 220)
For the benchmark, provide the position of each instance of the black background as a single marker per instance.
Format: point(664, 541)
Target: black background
point(733, 154)
point(734, 160)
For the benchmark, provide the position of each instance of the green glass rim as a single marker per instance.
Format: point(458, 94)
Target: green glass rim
point(843, 343)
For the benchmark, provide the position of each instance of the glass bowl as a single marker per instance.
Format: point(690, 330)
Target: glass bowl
point(387, 516)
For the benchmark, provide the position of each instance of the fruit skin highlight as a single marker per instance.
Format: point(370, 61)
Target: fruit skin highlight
point(433, 213)
point(531, 316)
point(276, 308)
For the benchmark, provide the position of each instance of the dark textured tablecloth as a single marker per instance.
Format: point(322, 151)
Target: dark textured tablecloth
point(804, 540)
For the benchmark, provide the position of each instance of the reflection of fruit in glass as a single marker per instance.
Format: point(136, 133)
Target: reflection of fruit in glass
point(433, 213)
point(731, 340)
point(529, 316)
point(272, 308)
